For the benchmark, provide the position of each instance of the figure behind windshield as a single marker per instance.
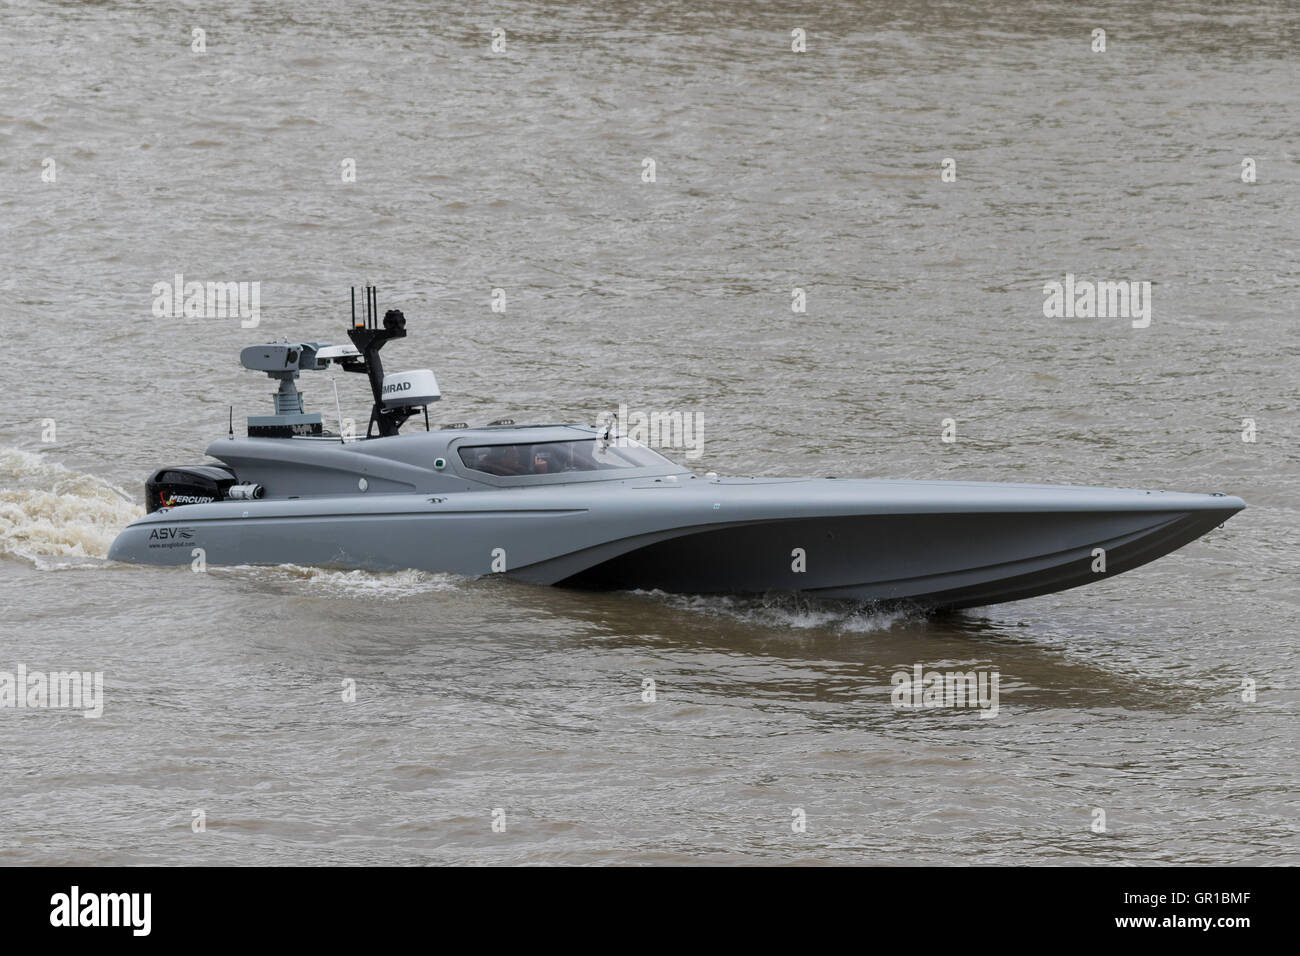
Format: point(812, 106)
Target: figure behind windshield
point(549, 459)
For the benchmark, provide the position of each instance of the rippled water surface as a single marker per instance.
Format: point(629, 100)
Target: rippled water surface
point(774, 170)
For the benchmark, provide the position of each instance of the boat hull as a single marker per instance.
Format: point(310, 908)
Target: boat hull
point(932, 544)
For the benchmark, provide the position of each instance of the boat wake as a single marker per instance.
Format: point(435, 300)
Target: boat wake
point(55, 517)
point(344, 584)
point(791, 611)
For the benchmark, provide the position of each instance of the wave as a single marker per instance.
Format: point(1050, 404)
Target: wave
point(48, 511)
point(346, 584)
point(791, 611)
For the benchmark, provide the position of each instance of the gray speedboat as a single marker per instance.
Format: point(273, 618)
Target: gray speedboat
point(585, 506)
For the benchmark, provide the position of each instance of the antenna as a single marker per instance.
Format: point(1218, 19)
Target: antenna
point(337, 407)
point(368, 339)
point(371, 318)
point(231, 436)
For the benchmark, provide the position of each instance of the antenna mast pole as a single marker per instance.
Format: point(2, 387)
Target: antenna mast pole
point(369, 339)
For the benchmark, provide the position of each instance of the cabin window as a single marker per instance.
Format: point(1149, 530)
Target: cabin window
point(556, 457)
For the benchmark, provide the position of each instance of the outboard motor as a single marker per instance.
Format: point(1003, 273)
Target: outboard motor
point(191, 485)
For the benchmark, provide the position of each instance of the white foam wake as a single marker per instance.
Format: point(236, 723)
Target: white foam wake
point(791, 611)
point(47, 510)
point(388, 584)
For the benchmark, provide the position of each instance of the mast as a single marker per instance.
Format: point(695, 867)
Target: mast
point(369, 337)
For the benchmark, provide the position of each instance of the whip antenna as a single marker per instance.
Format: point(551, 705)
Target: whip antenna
point(337, 407)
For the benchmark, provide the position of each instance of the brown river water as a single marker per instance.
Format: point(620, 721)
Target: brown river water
point(772, 737)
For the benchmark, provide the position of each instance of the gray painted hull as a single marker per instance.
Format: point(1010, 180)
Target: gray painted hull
point(935, 544)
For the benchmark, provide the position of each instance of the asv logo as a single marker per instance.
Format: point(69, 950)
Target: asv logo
point(170, 534)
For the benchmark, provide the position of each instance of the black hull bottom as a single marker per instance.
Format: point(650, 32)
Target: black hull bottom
point(935, 561)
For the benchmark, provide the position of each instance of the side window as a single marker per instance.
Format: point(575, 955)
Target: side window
point(555, 457)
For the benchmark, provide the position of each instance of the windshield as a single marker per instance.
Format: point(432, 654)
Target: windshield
point(557, 457)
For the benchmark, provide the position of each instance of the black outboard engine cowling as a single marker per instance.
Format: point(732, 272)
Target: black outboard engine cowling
point(190, 485)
